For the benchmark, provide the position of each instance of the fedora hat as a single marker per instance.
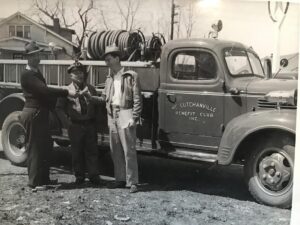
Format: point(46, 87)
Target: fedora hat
point(112, 49)
point(32, 47)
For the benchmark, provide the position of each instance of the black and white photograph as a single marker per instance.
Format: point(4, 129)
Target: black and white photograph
point(149, 112)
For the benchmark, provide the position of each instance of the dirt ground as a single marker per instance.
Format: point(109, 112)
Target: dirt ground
point(173, 192)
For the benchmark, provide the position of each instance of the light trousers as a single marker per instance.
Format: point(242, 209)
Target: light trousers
point(123, 150)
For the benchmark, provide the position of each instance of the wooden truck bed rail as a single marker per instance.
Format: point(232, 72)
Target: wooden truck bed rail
point(55, 72)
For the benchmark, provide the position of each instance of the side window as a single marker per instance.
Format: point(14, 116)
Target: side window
point(12, 31)
point(194, 65)
point(27, 32)
point(19, 31)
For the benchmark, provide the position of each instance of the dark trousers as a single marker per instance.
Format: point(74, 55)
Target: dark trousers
point(38, 144)
point(83, 138)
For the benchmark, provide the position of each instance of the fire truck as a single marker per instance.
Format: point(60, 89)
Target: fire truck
point(204, 100)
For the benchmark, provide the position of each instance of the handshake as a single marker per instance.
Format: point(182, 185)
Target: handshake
point(76, 94)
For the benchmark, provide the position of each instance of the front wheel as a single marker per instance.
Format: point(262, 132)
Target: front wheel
point(13, 139)
point(269, 174)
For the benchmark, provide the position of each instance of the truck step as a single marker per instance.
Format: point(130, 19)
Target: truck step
point(193, 155)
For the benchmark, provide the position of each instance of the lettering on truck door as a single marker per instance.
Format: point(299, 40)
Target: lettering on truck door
point(192, 100)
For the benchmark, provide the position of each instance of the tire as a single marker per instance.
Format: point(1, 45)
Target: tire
point(13, 139)
point(269, 172)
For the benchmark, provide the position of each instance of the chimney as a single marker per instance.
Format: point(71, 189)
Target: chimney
point(56, 25)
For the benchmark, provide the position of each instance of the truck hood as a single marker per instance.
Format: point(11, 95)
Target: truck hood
point(263, 86)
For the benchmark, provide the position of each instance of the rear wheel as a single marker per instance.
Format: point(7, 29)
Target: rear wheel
point(13, 139)
point(269, 173)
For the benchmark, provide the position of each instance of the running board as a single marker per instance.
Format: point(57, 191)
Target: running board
point(199, 156)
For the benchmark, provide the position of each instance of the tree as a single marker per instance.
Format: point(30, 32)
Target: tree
point(47, 10)
point(128, 13)
point(52, 11)
point(188, 20)
point(84, 16)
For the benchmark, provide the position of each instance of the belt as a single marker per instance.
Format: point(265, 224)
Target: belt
point(115, 107)
point(83, 122)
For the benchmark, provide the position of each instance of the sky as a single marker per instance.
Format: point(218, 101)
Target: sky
point(243, 21)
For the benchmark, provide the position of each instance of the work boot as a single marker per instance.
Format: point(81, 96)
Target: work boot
point(117, 184)
point(51, 182)
point(133, 188)
point(79, 180)
point(95, 180)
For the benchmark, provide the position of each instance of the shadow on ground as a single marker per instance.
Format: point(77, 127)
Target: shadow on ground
point(161, 174)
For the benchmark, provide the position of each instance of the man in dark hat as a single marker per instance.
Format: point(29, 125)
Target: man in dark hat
point(39, 98)
point(82, 127)
point(124, 105)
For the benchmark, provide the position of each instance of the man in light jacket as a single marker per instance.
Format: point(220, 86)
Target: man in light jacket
point(123, 99)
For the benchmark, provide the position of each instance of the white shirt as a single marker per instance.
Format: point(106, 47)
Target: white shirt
point(116, 99)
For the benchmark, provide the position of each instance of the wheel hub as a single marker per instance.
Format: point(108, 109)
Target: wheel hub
point(17, 139)
point(273, 172)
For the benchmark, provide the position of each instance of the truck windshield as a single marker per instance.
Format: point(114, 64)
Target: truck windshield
point(243, 63)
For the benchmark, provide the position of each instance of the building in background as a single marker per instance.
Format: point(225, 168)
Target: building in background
point(18, 29)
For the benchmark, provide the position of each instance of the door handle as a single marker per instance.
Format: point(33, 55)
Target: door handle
point(236, 91)
point(171, 97)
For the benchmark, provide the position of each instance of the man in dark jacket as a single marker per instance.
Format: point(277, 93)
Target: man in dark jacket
point(82, 127)
point(39, 98)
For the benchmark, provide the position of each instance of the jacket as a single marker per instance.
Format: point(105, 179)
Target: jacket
point(36, 92)
point(73, 107)
point(131, 97)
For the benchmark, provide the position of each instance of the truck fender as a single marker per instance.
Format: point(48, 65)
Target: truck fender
point(249, 124)
point(9, 104)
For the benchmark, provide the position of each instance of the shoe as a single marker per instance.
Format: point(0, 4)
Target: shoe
point(133, 188)
point(95, 180)
point(79, 180)
point(51, 182)
point(117, 184)
point(37, 188)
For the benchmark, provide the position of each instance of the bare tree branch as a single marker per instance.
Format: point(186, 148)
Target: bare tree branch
point(104, 19)
point(189, 20)
point(52, 12)
point(128, 12)
point(85, 21)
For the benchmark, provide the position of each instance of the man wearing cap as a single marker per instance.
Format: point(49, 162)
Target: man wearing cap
point(124, 105)
point(82, 128)
point(39, 99)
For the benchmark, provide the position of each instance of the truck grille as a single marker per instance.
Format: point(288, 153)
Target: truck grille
point(262, 103)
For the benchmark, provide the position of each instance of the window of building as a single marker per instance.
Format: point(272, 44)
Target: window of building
point(19, 31)
point(27, 32)
point(194, 65)
point(12, 31)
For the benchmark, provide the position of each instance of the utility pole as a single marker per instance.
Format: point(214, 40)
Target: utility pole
point(173, 14)
point(277, 13)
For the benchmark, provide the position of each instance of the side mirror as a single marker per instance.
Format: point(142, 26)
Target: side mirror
point(217, 26)
point(284, 62)
point(268, 68)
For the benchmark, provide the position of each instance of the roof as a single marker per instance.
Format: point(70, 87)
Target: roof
point(61, 28)
point(37, 24)
point(216, 44)
point(205, 42)
point(21, 49)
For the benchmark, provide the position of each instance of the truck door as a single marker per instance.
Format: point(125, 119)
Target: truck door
point(191, 107)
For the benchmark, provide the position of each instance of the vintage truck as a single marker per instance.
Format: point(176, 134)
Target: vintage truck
point(206, 100)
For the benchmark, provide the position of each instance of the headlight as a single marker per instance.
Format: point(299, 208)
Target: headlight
point(283, 97)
